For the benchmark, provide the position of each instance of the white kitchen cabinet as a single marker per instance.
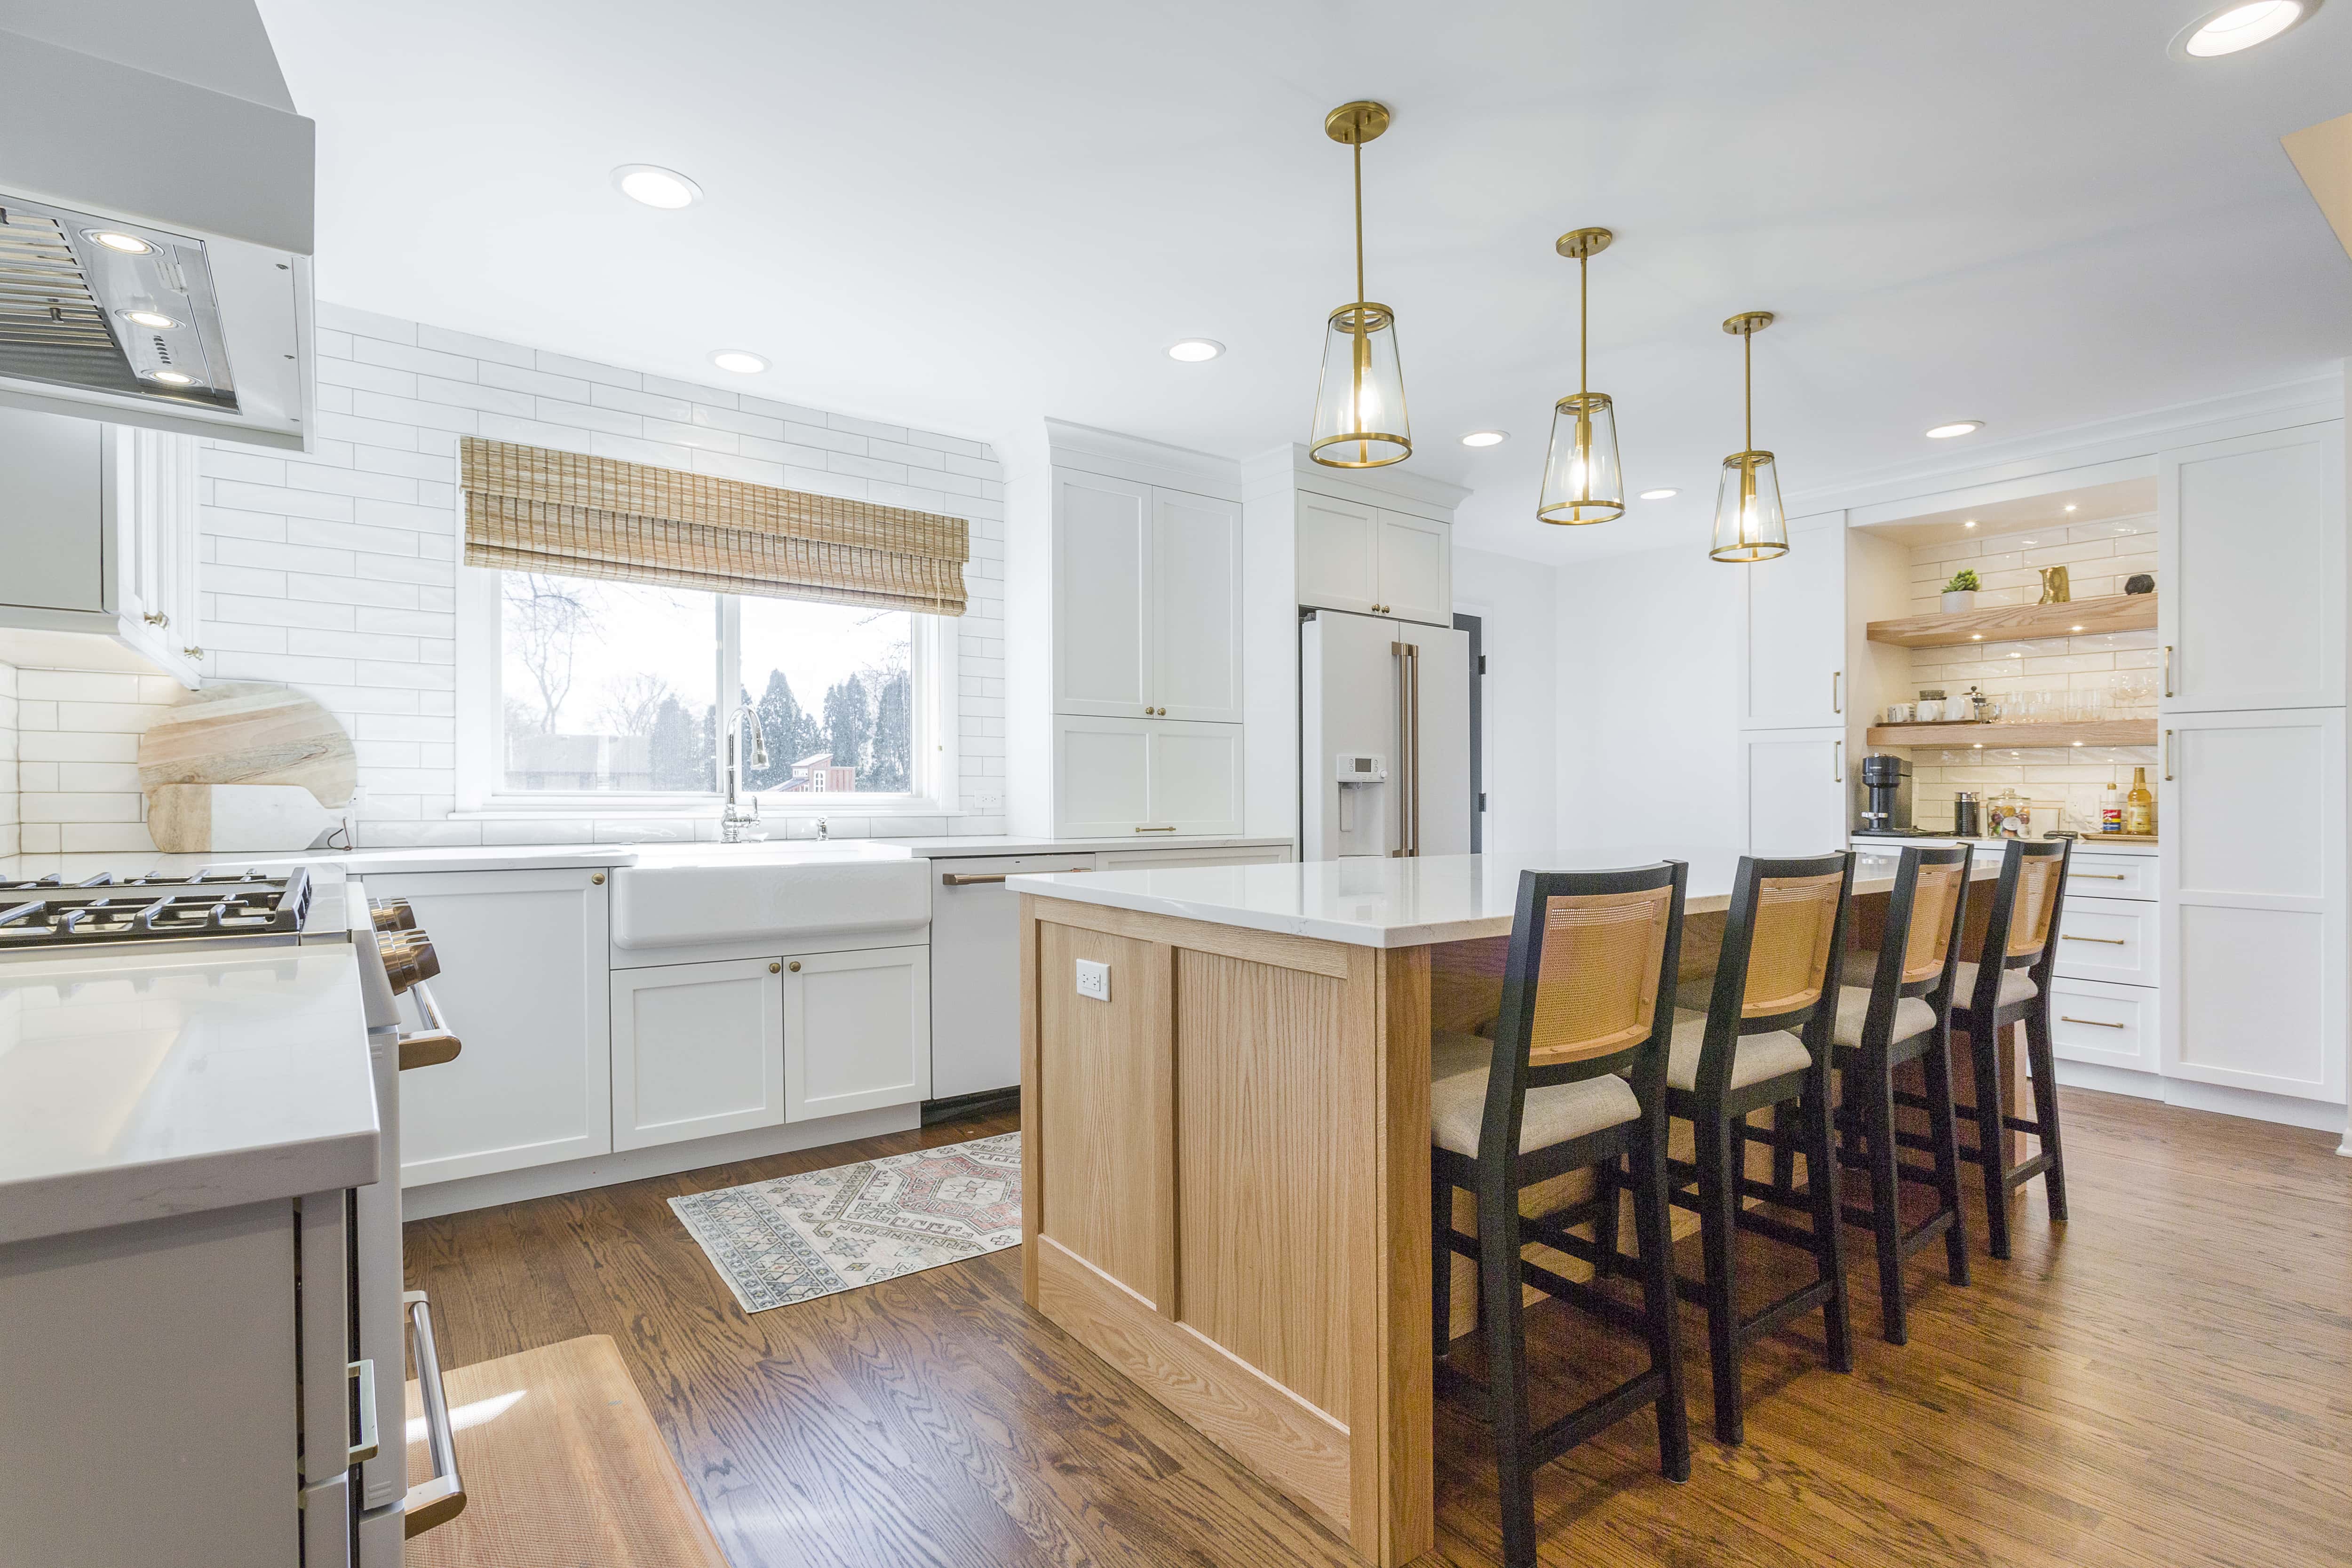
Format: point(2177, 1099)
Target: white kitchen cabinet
point(858, 1031)
point(524, 965)
point(1148, 589)
point(1142, 775)
point(1374, 561)
point(697, 1049)
point(1794, 791)
point(1792, 631)
point(1171, 859)
point(2254, 975)
point(99, 535)
point(2115, 940)
point(2103, 1024)
point(2250, 571)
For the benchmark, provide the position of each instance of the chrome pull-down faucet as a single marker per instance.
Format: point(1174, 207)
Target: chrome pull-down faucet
point(732, 818)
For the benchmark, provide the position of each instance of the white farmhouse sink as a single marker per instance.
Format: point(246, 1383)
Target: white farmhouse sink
point(684, 894)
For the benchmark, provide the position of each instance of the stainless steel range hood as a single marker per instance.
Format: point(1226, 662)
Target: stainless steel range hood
point(155, 219)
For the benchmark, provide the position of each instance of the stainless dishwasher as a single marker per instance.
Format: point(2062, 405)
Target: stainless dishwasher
point(976, 972)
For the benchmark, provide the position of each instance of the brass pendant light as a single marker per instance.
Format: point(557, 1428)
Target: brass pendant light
point(1583, 482)
point(1749, 523)
point(1360, 416)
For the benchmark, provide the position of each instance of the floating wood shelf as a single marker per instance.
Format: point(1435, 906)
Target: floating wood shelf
point(2106, 733)
point(2014, 623)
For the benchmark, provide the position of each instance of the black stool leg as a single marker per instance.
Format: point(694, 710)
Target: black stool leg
point(1440, 1304)
point(1787, 1121)
point(1506, 1371)
point(1604, 1224)
point(2042, 1058)
point(1829, 1245)
point(1992, 1139)
point(1942, 1131)
point(1656, 1239)
point(1877, 1081)
point(1719, 1150)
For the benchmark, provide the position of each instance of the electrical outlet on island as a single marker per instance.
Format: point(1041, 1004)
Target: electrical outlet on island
point(1094, 980)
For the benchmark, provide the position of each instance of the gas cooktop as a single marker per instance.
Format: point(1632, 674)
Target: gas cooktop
point(212, 906)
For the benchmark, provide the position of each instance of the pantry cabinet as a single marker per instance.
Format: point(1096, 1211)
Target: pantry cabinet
point(697, 1049)
point(100, 539)
point(1374, 561)
point(1147, 601)
point(1792, 630)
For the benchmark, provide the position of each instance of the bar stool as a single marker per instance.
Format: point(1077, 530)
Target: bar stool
point(1765, 1038)
point(1902, 1015)
point(1587, 995)
point(2010, 985)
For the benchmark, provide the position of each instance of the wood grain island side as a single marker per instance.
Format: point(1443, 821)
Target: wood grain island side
point(1226, 1163)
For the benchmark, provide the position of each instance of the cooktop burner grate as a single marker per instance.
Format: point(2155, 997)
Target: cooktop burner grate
point(51, 913)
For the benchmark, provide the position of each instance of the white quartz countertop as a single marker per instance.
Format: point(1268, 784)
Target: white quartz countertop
point(134, 1088)
point(1385, 902)
point(542, 857)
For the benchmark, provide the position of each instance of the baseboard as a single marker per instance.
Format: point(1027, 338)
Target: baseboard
point(987, 1102)
point(2254, 1105)
point(2111, 1080)
point(636, 1164)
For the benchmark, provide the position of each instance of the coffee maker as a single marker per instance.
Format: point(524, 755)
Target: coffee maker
point(1886, 795)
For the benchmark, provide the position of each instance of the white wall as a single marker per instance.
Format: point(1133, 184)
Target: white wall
point(8, 759)
point(1516, 601)
point(1648, 701)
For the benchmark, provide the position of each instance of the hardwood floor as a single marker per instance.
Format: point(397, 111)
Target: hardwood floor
point(2165, 1383)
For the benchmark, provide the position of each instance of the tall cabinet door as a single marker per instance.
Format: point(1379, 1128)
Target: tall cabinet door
point(697, 1049)
point(1195, 774)
point(1792, 630)
point(1105, 652)
point(1416, 576)
point(2250, 571)
point(1338, 553)
point(2252, 809)
point(525, 987)
point(1196, 591)
point(1795, 785)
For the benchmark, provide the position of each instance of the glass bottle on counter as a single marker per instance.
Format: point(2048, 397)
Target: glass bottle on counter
point(2111, 809)
point(2139, 807)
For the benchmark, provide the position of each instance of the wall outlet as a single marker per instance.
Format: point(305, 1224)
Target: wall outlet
point(1094, 980)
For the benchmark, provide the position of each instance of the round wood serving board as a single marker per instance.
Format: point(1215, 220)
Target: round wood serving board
point(249, 732)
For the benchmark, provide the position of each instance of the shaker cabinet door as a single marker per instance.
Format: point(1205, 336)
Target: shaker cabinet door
point(1416, 576)
point(53, 524)
point(1792, 630)
point(697, 1049)
point(1339, 554)
point(1795, 791)
point(858, 1031)
point(1106, 643)
point(1196, 593)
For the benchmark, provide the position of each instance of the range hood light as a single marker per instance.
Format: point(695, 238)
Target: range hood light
point(155, 319)
point(113, 239)
point(173, 378)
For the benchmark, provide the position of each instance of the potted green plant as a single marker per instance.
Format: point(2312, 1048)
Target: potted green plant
point(1960, 593)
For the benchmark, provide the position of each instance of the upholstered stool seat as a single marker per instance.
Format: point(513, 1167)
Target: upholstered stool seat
point(1554, 1114)
point(1758, 1057)
point(1912, 1016)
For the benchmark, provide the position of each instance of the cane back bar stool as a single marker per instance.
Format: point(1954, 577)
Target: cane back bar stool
point(1902, 1015)
point(1764, 1038)
point(1574, 1077)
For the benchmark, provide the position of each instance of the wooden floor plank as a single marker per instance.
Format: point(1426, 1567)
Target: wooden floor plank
point(2162, 1384)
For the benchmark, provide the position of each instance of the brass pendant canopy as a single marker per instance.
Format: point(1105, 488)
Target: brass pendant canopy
point(1749, 525)
point(1583, 480)
point(1359, 413)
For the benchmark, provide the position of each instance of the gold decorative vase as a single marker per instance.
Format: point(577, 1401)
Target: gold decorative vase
point(2055, 590)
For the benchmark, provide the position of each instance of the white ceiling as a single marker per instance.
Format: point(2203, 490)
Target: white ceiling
point(966, 216)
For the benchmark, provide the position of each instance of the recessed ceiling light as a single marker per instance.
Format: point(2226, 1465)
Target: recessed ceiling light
point(1193, 350)
point(1660, 495)
point(129, 244)
point(1957, 427)
point(154, 319)
point(2239, 26)
point(655, 186)
point(173, 378)
point(739, 361)
point(1485, 437)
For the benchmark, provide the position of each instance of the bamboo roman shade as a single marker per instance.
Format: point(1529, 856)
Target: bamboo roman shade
point(531, 509)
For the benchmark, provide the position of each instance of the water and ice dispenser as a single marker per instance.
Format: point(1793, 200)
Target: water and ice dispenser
point(1363, 778)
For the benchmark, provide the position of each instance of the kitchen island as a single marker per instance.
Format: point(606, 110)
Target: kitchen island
point(1226, 1142)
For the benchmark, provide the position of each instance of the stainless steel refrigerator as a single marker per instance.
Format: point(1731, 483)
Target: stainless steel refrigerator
point(1384, 737)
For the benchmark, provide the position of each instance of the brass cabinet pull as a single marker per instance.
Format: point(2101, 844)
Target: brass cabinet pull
point(1170, 828)
point(1837, 762)
point(2167, 756)
point(2167, 669)
point(158, 618)
point(970, 879)
point(775, 969)
point(2105, 940)
point(598, 879)
point(2100, 1023)
point(796, 966)
point(2104, 876)
point(1837, 694)
point(192, 652)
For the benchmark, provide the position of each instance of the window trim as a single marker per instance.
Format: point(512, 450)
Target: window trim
point(932, 653)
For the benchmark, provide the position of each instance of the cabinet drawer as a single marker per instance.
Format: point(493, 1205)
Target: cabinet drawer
point(2097, 876)
point(2114, 1025)
point(2108, 939)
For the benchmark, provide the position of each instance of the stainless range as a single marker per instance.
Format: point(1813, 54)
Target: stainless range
point(164, 914)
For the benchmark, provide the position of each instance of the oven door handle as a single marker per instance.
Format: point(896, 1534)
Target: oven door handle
point(442, 1499)
point(432, 1044)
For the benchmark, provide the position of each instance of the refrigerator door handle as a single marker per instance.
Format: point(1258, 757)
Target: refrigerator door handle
point(1409, 743)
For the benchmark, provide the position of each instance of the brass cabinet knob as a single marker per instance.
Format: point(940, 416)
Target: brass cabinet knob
point(598, 879)
point(796, 966)
point(156, 618)
point(778, 968)
point(192, 652)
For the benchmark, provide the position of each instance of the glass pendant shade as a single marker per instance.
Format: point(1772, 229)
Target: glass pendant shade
point(1360, 415)
point(1582, 482)
point(1748, 522)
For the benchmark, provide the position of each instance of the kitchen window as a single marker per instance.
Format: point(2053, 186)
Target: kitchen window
point(583, 695)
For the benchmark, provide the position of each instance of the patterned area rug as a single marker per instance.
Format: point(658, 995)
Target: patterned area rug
point(798, 1237)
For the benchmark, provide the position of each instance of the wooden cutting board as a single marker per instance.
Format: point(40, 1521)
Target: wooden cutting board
point(249, 732)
